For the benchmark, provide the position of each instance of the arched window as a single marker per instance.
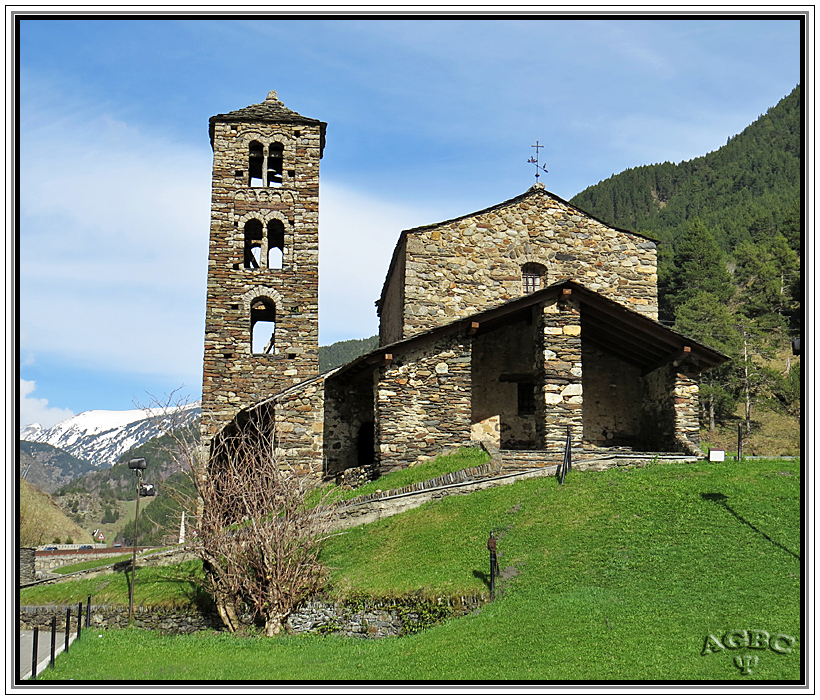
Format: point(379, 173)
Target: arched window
point(256, 159)
point(532, 277)
point(276, 244)
point(263, 326)
point(253, 245)
point(275, 158)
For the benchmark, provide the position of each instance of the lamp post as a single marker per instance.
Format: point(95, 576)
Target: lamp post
point(138, 465)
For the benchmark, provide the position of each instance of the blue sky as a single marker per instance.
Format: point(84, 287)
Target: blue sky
point(427, 120)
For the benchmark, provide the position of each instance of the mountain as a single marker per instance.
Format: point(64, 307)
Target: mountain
point(162, 456)
point(47, 467)
point(101, 437)
point(749, 185)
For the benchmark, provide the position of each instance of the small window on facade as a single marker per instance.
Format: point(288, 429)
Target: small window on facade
point(276, 244)
point(532, 277)
point(256, 159)
point(263, 327)
point(526, 398)
point(275, 157)
point(253, 245)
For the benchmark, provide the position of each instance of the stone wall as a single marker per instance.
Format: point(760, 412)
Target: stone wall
point(27, 564)
point(364, 617)
point(613, 399)
point(562, 398)
point(503, 359)
point(169, 620)
point(299, 427)
point(376, 618)
point(423, 403)
point(349, 438)
point(391, 308)
point(469, 264)
point(233, 376)
point(687, 428)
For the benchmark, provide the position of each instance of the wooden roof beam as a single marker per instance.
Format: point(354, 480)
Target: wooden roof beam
point(673, 357)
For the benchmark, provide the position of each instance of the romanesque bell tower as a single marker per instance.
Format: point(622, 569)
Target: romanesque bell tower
point(262, 316)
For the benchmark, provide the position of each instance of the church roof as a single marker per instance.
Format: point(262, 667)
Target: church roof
point(635, 338)
point(271, 111)
point(536, 189)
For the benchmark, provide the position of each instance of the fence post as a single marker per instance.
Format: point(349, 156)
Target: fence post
point(739, 442)
point(88, 613)
point(79, 621)
point(34, 652)
point(53, 639)
point(67, 627)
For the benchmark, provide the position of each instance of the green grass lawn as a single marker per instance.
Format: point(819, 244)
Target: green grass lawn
point(616, 575)
point(164, 586)
point(96, 563)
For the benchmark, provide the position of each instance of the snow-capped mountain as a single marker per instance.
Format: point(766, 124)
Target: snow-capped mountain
point(100, 437)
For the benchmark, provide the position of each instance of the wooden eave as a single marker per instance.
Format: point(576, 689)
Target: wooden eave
point(606, 324)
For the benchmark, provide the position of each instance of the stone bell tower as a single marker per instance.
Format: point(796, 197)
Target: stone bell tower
point(262, 314)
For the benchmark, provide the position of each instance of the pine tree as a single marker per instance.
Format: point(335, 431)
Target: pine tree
point(706, 319)
point(698, 266)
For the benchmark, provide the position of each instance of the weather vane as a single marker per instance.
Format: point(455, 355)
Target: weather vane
point(534, 161)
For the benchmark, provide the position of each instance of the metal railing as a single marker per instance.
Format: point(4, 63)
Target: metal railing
point(68, 619)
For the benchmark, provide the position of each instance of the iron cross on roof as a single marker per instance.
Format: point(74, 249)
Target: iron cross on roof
point(534, 161)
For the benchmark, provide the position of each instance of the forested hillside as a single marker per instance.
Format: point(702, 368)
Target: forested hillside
point(729, 227)
point(344, 351)
point(750, 184)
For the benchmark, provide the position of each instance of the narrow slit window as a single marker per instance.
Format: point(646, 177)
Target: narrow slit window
point(275, 158)
point(532, 277)
point(263, 327)
point(253, 245)
point(276, 244)
point(255, 160)
point(526, 398)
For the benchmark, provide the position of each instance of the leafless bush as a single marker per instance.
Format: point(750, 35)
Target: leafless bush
point(256, 533)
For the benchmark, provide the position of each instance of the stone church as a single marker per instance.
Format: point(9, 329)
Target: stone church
point(511, 326)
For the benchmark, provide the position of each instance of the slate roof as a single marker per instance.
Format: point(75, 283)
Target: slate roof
point(637, 339)
point(271, 111)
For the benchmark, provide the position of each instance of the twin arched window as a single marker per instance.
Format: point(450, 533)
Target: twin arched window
point(264, 248)
point(532, 277)
point(265, 164)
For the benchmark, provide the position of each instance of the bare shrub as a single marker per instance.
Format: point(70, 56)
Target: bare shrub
point(256, 533)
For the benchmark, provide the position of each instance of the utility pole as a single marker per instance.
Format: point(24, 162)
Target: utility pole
point(138, 465)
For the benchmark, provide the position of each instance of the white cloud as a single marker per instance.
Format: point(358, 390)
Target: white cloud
point(357, 235)
point(113, 247)
point(34, 410)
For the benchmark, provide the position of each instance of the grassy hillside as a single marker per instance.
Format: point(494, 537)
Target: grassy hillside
point(616, 575)
point(42, 521)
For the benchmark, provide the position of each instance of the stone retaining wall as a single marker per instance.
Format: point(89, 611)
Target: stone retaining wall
point(365, 617)
point(171, 620)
